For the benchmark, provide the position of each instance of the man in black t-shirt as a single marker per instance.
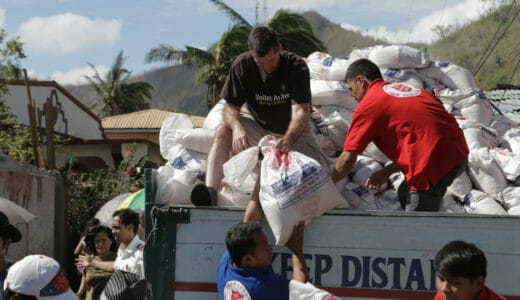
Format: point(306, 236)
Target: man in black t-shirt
point(267, 92)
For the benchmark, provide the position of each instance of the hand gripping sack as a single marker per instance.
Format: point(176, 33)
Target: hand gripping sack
point(293, 188)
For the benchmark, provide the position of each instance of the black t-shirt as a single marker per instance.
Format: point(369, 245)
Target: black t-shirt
point(268, 95)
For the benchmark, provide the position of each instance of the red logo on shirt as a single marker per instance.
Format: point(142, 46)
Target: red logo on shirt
point(234, 290)
point(401, 89)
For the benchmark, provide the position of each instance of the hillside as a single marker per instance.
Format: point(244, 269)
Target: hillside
point(464, 46)
point(174, 88)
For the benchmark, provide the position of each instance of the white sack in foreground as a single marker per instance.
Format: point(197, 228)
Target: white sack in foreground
point(293, 188)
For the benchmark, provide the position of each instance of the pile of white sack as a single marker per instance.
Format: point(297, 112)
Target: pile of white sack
point(489, 186)
point(491, 183)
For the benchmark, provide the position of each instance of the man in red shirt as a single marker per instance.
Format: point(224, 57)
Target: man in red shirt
point(412, 128)
point(461, 272)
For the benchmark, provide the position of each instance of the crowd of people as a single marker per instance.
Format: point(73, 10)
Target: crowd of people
point(267, 92)
point(110, 261)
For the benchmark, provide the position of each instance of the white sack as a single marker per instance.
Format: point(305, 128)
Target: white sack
point(476, 108)
point(238, 168)
point(502, 124)
point(364, 169)
point(293, 188)
point(508, 162)
point(388, 201)
point(336, 126)
point(396, 179)
point(214, 118)
point(480, 136)
point(451, 97)
point(307, 291)
point(512, 139)
point(449, 205)
point(324, 66)
point(358, 197)
point(404, 75)
point(230, 197)
point(175, 178)
point(196, 139)
point(327, 146)
point(510, 197)
point(451, 75)
point(326, 92)
point(169, 126)
point(374, 152)
point(485, 172)
point(478, 202)
point(514, 211)
point(398, 57)
point(460, 186)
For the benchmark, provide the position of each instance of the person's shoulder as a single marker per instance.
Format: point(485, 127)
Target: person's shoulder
point(243, 59)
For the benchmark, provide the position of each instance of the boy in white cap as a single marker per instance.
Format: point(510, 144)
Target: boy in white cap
point(37, 277)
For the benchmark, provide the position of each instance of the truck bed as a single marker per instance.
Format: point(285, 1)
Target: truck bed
point(353, 254)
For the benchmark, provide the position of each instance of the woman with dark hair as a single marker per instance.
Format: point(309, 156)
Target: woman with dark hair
point(101, 242)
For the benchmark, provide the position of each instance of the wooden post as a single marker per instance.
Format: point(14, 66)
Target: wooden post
point(38, 153)
point(51, 115)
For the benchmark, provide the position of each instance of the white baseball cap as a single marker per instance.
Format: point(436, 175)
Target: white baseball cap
point(39, 276)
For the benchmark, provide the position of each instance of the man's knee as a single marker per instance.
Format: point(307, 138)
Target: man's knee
point(223, 136)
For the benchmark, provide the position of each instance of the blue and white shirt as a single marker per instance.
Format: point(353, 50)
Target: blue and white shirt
point(249, 283)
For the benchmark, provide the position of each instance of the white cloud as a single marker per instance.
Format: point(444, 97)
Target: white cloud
point(2, 17)
point(67, 33)
point(460, 14)
point(77, 76)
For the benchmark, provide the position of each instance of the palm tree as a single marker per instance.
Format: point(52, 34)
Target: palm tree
point(294, 32)
point(119, 96)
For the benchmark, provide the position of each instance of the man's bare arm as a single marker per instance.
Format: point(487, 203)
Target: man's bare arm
point(231, 115)
point(300, 114)
point(295, 244)
point(343, 165)
point(254, 211)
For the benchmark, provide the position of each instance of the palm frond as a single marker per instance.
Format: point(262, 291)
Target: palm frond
point(164, 53)
point(232, 14)
point(284, 20)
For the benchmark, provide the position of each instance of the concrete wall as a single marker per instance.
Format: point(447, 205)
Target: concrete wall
point(102, 151)
point(35, 190)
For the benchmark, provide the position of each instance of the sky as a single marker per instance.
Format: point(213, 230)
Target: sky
point(62, 37)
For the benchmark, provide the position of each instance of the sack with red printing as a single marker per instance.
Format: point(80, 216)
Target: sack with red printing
point(293, 188)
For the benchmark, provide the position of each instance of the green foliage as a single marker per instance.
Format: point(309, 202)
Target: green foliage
point(295, 34)
point(118, 95)
point(87, 192)
point(15, 139)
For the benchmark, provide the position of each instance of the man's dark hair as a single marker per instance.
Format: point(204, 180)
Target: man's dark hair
point(363, 67)
point(91, 235)
point(240, 240)
point(261, 40)
point(461, 259)
point(128, 217)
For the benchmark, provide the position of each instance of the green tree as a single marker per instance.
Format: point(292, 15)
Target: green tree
point(295, 34)
point(15, 139)
point(118, 95)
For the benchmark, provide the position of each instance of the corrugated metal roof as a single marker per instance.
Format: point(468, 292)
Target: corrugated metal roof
point(508, 101)
point(144, 119)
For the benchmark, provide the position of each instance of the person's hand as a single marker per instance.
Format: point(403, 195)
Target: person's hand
point(377, 179)
point(240, 142)
point(295, 242)
point(283, 145)
point(83, 261)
